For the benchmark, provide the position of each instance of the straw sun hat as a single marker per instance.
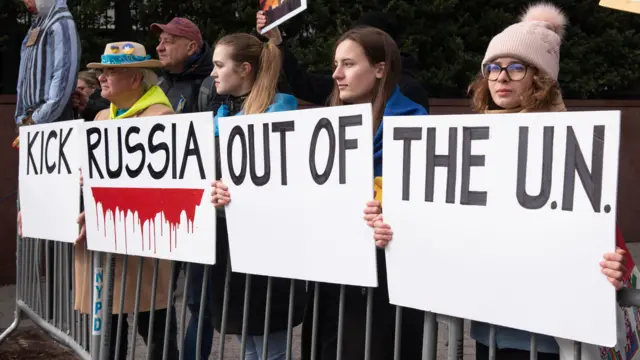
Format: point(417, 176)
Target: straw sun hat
point(125, 54)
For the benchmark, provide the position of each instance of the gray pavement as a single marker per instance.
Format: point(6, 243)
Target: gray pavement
point(232, 350)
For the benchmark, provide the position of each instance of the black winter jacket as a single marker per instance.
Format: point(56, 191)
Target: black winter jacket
point(183, 89)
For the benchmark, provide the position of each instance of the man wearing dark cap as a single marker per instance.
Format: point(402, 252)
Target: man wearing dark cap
point(187, 64)
point(316, 88)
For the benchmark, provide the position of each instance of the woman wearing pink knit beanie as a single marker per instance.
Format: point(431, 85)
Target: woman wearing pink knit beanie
point(520, 68)
point(520, 74)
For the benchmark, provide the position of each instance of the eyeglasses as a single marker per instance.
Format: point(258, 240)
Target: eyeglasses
point(515, 71)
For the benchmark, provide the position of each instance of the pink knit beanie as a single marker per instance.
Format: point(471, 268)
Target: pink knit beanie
point(535, 39)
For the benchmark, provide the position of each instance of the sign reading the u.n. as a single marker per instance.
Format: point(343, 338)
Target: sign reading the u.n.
point(49, 180)
point(505, 218)
point(146, 186)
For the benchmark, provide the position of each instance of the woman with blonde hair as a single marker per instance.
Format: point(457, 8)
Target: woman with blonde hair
point(246, 71)
point(519, 73)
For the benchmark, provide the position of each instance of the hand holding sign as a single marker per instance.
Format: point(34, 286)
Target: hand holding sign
point(372, 210)
point(82, 237)
point(382, 233)
point(219, 195)
point(613, 267)
point(274, 34)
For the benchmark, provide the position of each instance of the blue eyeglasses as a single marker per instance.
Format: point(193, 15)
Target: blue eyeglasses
point(515, 71)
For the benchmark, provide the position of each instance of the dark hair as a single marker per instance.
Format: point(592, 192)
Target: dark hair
point(378, 47)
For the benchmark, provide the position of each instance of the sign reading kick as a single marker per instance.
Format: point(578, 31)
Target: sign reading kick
point(49, 180)
point(146, 186)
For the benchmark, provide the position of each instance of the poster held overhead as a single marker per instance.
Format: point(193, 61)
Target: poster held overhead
point(632, 6)
point(299, 182)
point(279, 11)
point(147, 186)
point(49, 180)
point(518, 208)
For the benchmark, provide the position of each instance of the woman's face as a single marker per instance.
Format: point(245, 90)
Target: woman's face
point(509, 79)
point(115, 82)
point(227, 77)
point(86, 89)
point(355, 76)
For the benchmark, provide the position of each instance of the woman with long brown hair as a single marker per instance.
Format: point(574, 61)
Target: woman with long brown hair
point(367, 69)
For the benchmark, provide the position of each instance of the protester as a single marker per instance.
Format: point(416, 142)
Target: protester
point(316, 88)
point(47, 74)
point(186, 61)
point(247, 71)
point(519, 74)
point(367, 71)
point(87, 82)
point(187, 65)
point(87, 100)
point(129, 83)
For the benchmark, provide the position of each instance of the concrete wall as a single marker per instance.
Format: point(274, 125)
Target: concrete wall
point(8, 185)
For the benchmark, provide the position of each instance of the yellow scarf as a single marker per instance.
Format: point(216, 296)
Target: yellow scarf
point(153, 96)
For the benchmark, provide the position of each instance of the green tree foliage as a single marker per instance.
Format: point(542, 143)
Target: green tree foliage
point(448, 38)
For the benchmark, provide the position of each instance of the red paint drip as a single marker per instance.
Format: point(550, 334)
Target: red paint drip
point(148, 203)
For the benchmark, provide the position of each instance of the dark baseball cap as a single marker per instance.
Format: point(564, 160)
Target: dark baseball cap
point(180, 27)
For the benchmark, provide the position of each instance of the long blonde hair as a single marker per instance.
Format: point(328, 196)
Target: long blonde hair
point(266, 62)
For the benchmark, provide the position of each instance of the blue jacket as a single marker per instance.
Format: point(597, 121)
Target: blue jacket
point(282, 102)
point(397, 105)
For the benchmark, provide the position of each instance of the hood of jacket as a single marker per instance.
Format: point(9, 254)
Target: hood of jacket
point(281, 102)
point(397, 105)
point(409, 66)
point(46, 7)
point(153, 96)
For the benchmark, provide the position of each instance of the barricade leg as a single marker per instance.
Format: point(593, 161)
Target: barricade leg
point(17, 313)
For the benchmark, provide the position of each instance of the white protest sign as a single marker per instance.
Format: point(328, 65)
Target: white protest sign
point(299, 182)
point(505, 218)
point(147, 186)
point(49, 180)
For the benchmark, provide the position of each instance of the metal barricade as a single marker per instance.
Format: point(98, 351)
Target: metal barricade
point(45, 295)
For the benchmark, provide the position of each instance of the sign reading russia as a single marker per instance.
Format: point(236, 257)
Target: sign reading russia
point(146, 186)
